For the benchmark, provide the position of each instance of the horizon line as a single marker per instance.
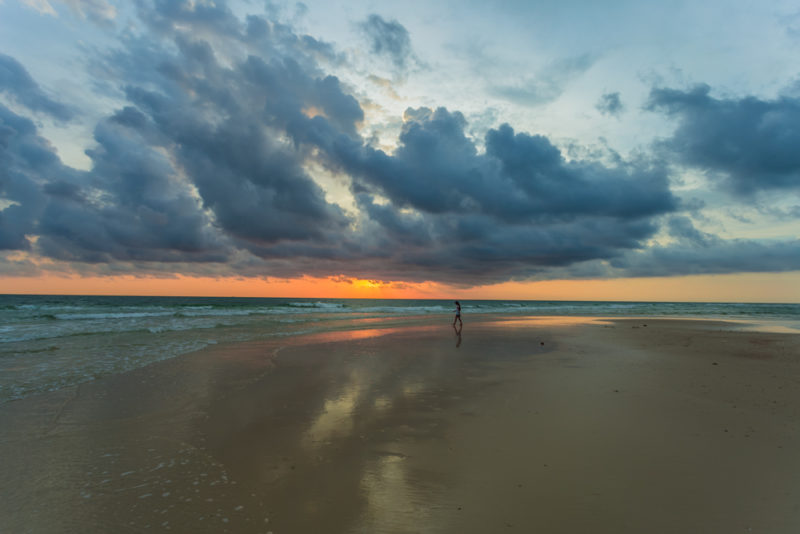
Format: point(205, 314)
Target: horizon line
point(392, 298)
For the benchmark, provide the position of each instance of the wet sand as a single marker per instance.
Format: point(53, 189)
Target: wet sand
point(559, 425)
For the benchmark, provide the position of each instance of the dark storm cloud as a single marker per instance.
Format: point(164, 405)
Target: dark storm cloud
point(520, 178)
point(610, 104)
point(224, 125)
point(24, 162)
point(16, 83)
point(270, 36)
point(750, 143)
point(696, 252)
point(388, 38)
point(131, 206)
point(682, 229)
point(723, 256)
point(455, 213)
point(198, 162)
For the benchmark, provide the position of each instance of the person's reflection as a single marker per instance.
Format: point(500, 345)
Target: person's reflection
point(458, 336)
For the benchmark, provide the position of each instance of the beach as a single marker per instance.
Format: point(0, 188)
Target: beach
point(520, 424)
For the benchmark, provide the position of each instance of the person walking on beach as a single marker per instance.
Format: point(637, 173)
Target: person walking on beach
point(458, 316)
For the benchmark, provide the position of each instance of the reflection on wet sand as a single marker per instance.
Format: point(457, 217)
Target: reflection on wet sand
point(329, 412)
point(398, 430)
point(394, 500)
point(336, 417)
point(534, 321)
point(302, 435)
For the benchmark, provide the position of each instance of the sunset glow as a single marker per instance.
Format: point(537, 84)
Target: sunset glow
point(783, 287)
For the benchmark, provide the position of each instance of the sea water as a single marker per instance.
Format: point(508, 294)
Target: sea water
point(51, 342)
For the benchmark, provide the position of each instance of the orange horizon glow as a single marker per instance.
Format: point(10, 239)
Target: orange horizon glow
point(750, 287)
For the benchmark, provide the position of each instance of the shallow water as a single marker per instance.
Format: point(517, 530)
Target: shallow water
point(51, 342)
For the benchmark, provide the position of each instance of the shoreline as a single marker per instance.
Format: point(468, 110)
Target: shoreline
point(65, 352)
point(600, 425)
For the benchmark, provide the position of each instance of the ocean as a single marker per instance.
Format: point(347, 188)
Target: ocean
point(52, 342)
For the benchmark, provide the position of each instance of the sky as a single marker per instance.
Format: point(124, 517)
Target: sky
point(575, 150)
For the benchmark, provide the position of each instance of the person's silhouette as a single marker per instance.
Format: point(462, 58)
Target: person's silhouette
point(458, 315)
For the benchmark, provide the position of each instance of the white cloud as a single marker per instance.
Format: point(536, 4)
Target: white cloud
point(42, 6)
point(98, 11)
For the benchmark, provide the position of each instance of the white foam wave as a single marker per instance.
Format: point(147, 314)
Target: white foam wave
point(111, 315)
point(318, 304)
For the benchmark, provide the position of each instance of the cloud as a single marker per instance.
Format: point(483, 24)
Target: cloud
point(683, 230)
point(610, 104)
point(390, 39)
point(520, 178)
point(42, 6)
point(25, 160)
point(205, 19)
point(220, 128)
point(455, 213)
point(100, 12)
point(130, 206)
point(197, 164)
point(16, 83)
point(693, 251)
point(386, 85)
point(268, 36)
point(724, 256)
point(749, 144)
point(548, 84)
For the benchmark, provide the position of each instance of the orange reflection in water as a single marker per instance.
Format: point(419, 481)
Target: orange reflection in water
point(351, 335)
